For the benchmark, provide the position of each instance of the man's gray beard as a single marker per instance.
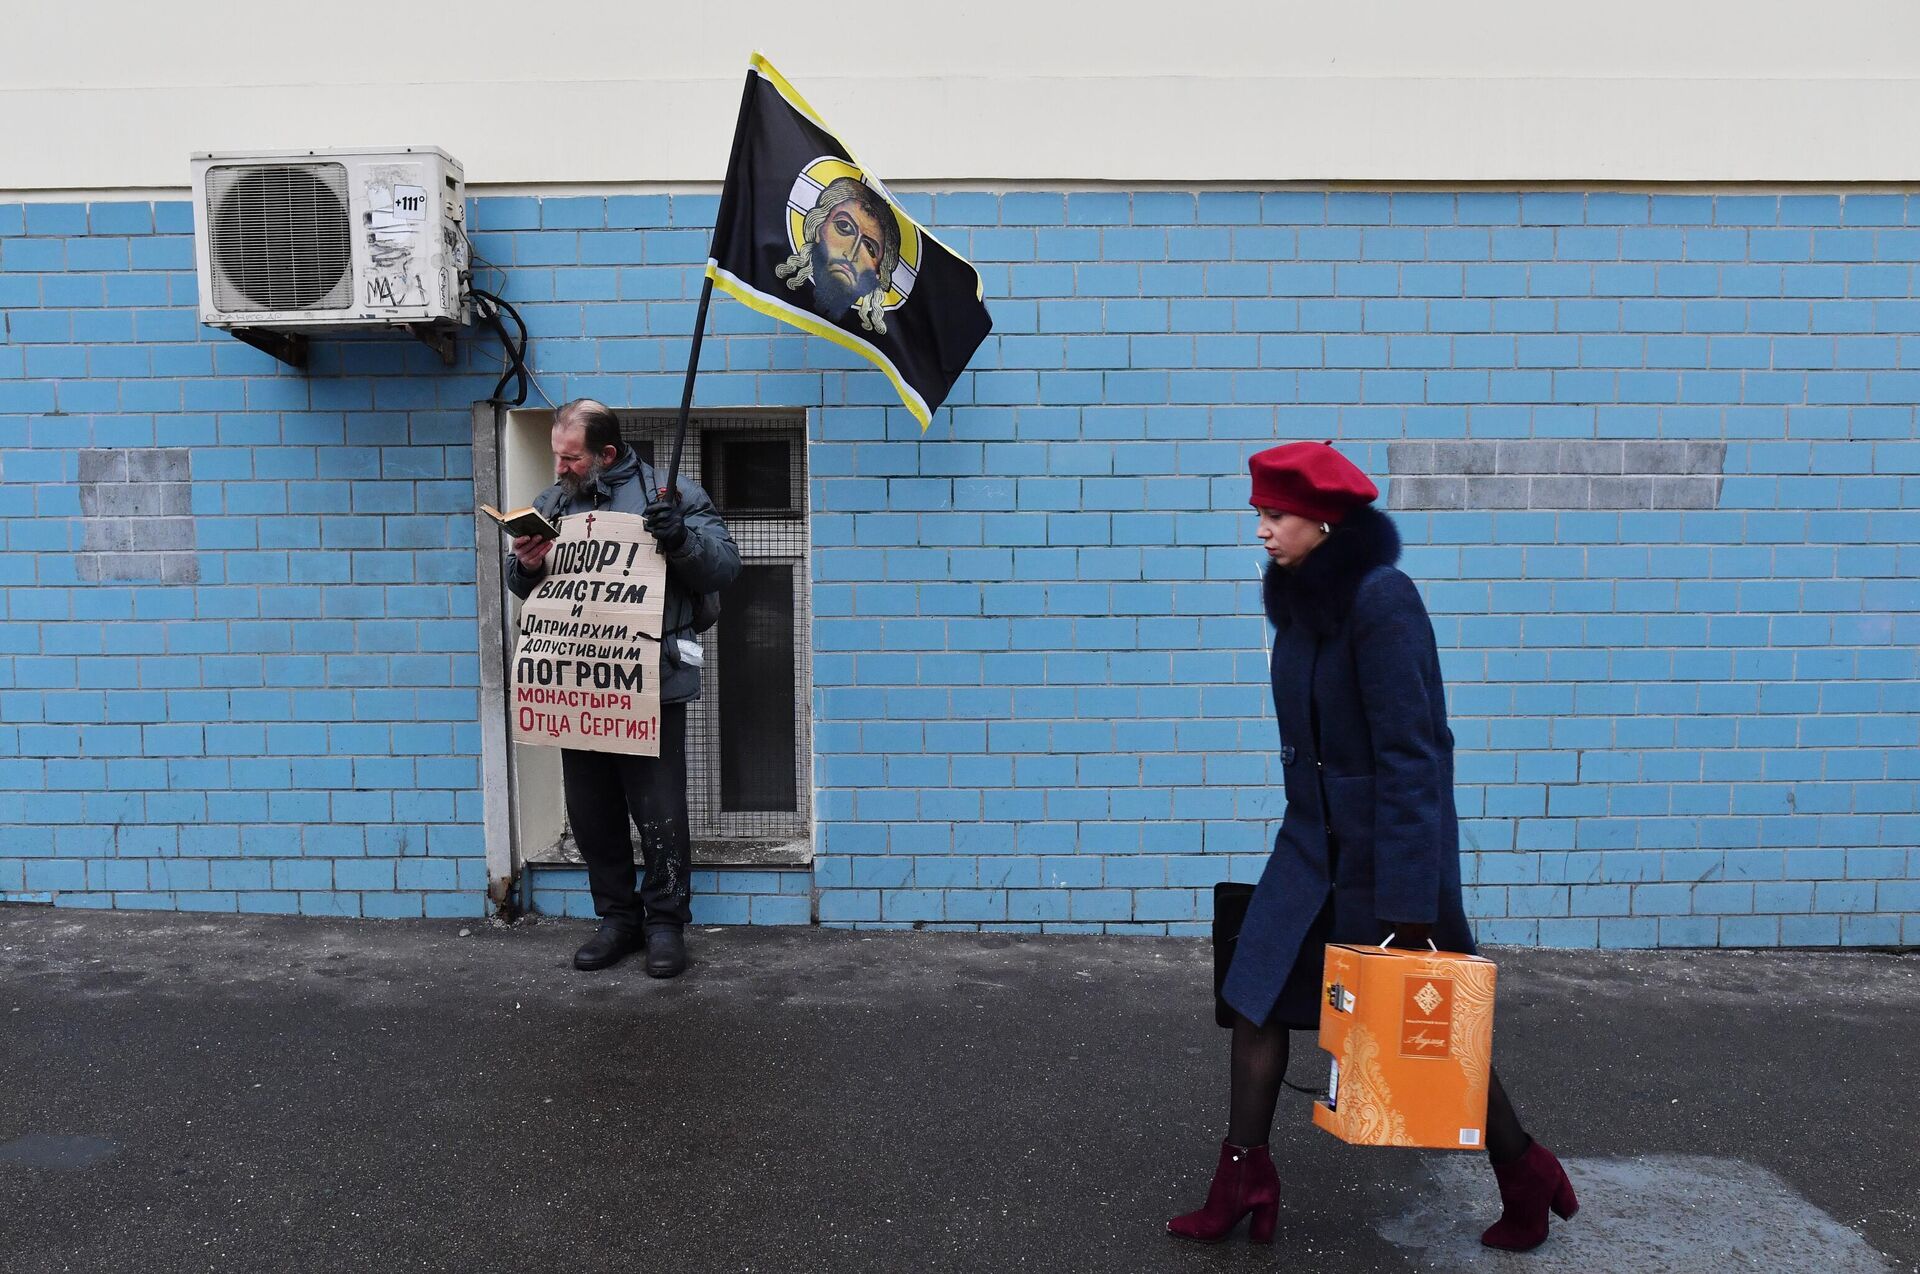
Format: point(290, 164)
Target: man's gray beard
point(831, 296)
point(577, 488)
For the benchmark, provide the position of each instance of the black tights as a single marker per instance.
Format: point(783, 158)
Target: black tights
point(1259, 1067)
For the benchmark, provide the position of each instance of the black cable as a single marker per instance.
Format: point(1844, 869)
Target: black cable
point(520, 369)
point(490, 313)
point(491, 307)
point(511, 361)
point(525, 372)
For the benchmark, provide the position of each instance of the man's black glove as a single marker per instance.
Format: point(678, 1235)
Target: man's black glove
point(667, 524)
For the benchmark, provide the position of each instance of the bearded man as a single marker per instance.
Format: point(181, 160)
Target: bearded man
point(849, 246)
point(608, 792)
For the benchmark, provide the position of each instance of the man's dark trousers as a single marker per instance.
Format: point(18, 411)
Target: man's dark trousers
point(604, 791)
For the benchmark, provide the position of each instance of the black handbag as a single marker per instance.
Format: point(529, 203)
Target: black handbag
point(1230, 900)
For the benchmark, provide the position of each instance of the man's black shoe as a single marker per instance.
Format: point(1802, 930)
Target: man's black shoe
point(608, 946)
point(666, 953)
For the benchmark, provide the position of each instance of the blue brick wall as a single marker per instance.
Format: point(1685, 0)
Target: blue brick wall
point(1038, 653)
point(295, 730)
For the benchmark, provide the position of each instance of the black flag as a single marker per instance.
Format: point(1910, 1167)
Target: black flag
point(808, 236)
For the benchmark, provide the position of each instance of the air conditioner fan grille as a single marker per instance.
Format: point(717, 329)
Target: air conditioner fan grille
point(280, 237)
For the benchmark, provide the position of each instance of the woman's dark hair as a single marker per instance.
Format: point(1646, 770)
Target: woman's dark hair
point(595, 419)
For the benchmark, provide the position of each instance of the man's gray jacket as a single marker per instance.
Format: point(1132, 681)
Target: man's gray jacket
point(706, 563)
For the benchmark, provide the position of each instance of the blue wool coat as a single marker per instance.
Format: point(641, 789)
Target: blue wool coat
point(1354, 644)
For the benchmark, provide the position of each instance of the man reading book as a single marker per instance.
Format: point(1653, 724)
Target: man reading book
point(595, 469)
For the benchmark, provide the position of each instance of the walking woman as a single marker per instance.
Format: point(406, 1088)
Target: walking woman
point(1362, 712)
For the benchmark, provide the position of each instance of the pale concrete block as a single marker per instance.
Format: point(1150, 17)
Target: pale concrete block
point(179, 568)
point(1529, 455)
point(1707, 457)
point(1497, 492)
point(1410, 457)
point(101, 465)
point(166, 533)
point(1558, 491)
point(1463, 457)
point(1622, 493)
point(142, 499)
point(1428, 493)
point(1591, 457)
point(107, 535)
point(1686, 493)
point(159, 464)
point(1655, 457)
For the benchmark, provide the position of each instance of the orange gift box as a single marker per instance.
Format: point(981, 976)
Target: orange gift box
point(1411, 1033)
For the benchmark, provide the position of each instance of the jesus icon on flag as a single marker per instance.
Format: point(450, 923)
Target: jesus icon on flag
point(849, 250)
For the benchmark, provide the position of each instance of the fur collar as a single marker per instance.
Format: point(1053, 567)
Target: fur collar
point(1320, 593)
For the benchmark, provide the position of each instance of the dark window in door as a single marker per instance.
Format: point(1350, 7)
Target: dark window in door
point(749, 735)
point(757, 694)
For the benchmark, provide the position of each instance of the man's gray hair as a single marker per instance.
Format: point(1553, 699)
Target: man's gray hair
point(593, 418)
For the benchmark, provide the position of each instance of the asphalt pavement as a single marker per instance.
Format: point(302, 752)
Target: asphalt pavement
point(269, 1093)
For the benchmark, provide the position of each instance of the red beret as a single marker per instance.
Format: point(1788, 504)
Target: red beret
point(1310, 479)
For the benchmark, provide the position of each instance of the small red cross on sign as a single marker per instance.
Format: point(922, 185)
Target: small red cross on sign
point(589, 526)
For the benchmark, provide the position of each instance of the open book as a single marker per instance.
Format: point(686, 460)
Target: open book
point(528, 521)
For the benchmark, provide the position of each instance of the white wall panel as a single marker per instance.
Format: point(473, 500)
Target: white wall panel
point(117, 93)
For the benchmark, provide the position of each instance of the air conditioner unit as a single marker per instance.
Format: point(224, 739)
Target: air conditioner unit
point(292, 243)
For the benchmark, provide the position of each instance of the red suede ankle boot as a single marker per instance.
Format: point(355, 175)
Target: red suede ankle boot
point(1243, 1182)
point(1529, 1186)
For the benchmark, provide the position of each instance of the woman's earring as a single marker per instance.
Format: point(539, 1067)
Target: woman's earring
point(1325, 529)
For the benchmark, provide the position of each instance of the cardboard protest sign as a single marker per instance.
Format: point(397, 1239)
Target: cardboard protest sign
point(586, 666)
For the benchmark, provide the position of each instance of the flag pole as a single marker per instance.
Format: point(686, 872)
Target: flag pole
point(672, 490)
